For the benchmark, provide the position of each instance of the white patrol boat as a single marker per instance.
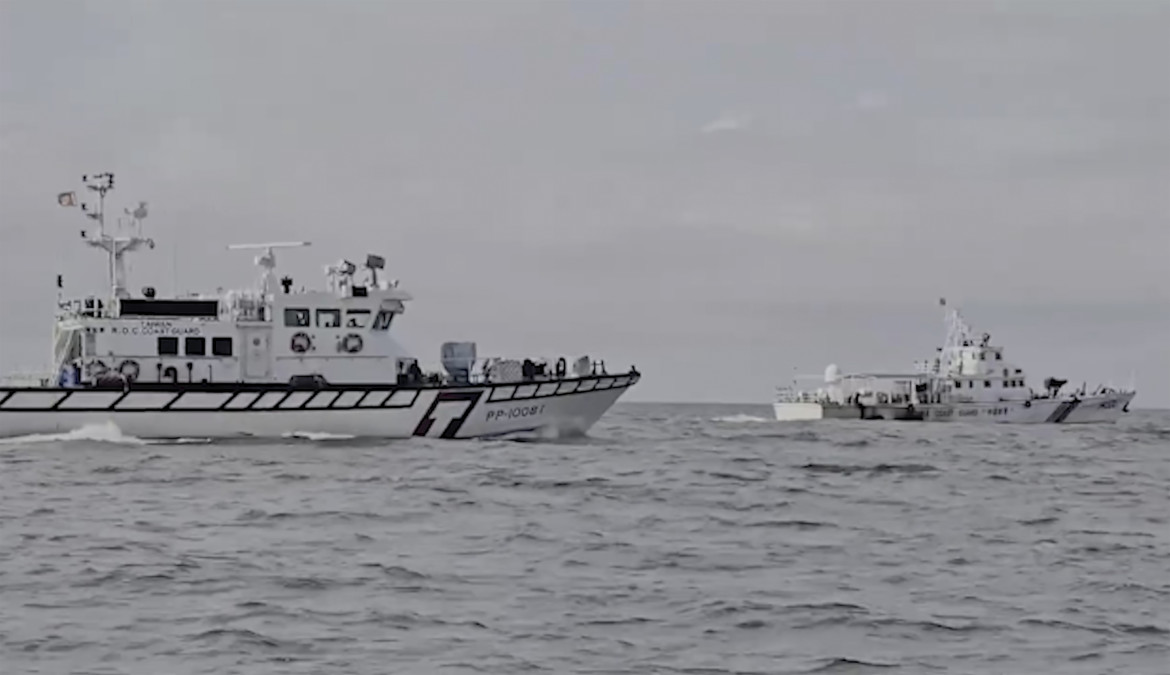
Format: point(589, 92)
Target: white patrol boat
point(272, 361)
point(967, 380)
point(848, 396)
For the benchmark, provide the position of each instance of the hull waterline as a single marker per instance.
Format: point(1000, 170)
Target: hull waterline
point(551, 408)
point(1096, 409)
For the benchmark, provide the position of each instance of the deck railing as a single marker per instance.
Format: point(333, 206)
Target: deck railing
point(789, 395)
point(26, 379)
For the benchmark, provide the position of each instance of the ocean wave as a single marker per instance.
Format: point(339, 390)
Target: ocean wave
point(741, 418)
point(670, 542)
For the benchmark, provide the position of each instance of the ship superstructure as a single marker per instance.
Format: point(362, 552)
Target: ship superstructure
point(235, 362)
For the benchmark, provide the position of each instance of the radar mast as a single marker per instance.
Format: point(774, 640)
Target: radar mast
point(267, 260)
point(115, 246)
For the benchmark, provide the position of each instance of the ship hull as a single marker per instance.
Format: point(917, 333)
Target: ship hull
point(800, 411)
point(1097, 409)
point(548, 408)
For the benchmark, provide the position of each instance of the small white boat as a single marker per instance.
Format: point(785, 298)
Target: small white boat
point(848, 396)
point(269, 361)
point(967, 380)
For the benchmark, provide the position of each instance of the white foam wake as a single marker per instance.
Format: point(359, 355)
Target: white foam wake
point(107, 432)
point(317, 436)
point(100, 433)
point(740, 418)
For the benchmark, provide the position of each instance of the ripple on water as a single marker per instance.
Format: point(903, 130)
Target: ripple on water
point(676, 539)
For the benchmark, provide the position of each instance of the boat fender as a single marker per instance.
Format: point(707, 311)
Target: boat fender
point(172, 373)
point(129, 369)
point(562, 367)
point(351, 343)
point(300, 343)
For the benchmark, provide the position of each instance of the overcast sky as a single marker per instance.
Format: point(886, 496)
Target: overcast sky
point(721, 192)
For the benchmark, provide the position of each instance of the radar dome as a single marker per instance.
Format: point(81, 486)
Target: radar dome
point(832, 373)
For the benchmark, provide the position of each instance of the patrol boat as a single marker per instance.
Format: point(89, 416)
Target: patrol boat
point(270, 361)
point(967, 380)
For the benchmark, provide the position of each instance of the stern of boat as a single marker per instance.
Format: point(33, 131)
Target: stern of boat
point(794, 411)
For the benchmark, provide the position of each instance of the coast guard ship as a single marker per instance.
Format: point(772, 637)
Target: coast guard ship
point(968, 380)
point(269, 361)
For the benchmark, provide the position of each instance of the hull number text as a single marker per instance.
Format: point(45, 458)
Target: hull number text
point(513, 413)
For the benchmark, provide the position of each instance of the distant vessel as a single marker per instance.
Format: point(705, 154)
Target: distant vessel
point(269, 361)
point(968, 380)
point(849, 396)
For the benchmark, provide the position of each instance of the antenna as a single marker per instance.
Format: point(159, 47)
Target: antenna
point(957, 333)
point(115, 247)
point(267, 260)
point(137, 215)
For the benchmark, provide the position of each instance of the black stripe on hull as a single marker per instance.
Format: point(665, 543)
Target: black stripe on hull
point(169, 403)
point(114, 405)
point(259, 395)
point(243, 387)
point(57, 404)
point(324, 394)
point(1063, 411)
point(490, 393)
point(281, 401)
point(225, 404)
point(466, 399)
